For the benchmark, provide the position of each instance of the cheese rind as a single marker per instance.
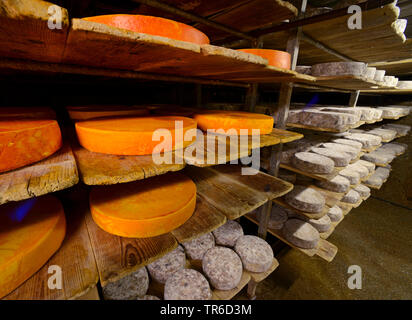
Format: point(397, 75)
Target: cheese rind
point(312, 162)
point(25, 141)
point(32, 231)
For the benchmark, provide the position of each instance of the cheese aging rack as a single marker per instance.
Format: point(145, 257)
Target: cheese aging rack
point(51, 44)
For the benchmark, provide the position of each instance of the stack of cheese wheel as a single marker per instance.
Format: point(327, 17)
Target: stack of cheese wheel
point(80, 113)
point(276, 58)
point(144, 208)
point(31, 232)
point(134, 136)
point(234, 122)
point(154, 26)
point(27, 136)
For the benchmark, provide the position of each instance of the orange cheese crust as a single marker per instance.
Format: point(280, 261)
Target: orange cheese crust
point(153, 25)
point(145, 208)
point(276, 58)
point(91, 112)
point(237, 120)
point(131, 135)
point(25, 141)
point(31, 232)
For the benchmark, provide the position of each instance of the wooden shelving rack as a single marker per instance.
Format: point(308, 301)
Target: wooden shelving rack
point(85, 48)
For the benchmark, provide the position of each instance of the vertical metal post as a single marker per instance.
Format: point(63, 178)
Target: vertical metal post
point(285, 96)
point(354, 96)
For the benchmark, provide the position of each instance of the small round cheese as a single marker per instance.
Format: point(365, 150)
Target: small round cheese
point(228, 234)
point(256, 254)
point(301, 234)
point(164, 267)
point(312, 162)
point(187, 284)
point(305, 199)
point(197, 248)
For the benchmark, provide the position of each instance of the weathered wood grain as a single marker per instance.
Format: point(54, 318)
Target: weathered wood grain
point(106, 169)
point(76, 260)
point(261, 182)
point(117, 257)
point(25, 33)
point(206, 218)
point(232, 198)
point(55, 173)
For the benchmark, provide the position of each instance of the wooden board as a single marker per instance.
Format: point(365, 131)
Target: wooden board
point(327, 234)
point(271, 186)
point(316, 176)
point(234, 199)
point(324, 249)
point(206, 218)
point(260, 276)
point(282, 202)
point(25, 33)
point(76, 260)
point(106, 169)
point(214, 149)
point(121, 49)
point(117, 257)
point(286, 136)
point(345, 208)
point(55, 173)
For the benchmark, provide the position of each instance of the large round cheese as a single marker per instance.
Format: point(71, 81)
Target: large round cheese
point(31, 232)
point(133, 135)
point(145, 208)
point(234, 122)
point(25, 141)
point(154, 26)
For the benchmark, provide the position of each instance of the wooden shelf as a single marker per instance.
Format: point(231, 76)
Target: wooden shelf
point(205, 219)
point(76, 259)
point(207, 147)
point(310, 215)
point(118, 49)
point(317, 176)
point(106, 169)
point(55, 173)
point(234, 194)
point(324, 250)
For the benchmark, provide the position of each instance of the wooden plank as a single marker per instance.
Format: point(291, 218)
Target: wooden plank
point(271, 186)
point(212, 149)
point(345, 208)
point(317, 176)
point(286, 136)
point(76, 260)
point(260, 276)
point(106, 169)
point(118, 257)
point(325, 235)
point(25, 33)
point(206, 218)
point(232, 198)
point(229, 294)
point(324, 249)
point(310, 215)
point(55, 173)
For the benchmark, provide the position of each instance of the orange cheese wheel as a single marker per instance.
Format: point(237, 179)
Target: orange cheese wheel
point(25, 141)
point(130, 135)
point(154, 26)
point(226, 120)
point(91, 112)
point(145, 208)
point(276, 58)
point(31, 231)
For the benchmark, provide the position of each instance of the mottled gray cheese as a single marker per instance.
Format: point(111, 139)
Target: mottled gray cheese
point(128, 288)
point(404, 85)
point(301, 234)
point(360, 169)
point(314, 163)
point(351, 151)
point(399, 128)
point(383, 173)
point(391, 112)
point(278, 217)
point(196, 248)
point(341, 159)
point(187, 284)
point(367, 114)
point(228, 234)
point(385, 134)
point(337, 184)
point(379, 157)
point(364, 191)
point(223, 267)
point(351, 175)
point(393, 148)
point(256, 254)
point(367, 140)
point(305, 199)
point(380, 75)
point(351, 197)
point(370, 73)
point(335, 214)
point(339, 69)
point(352, 143)
point(164, 267)
point(374, 180)
point(369, 165)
